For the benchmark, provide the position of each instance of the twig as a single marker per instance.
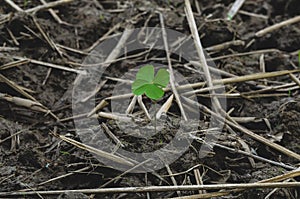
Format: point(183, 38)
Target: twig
point(111, 135)
point(241, 78)
point(97, 89)
point(13, 37)
point(46, 37)
point(256, 157)
point(47, 6)
point(247, 131)
point(143, 107)
point(51, 65)
point(33, 105)
point(102, 104)
point(285, 176)
point(235, 8)
point(16, 87)
point(161, 188)
point(225, 45)
point(59, 177)
point(165, 107)
point(212, 69)
point(277, 26)
point(262, 66)
point(202, 59)
point(7, 49)
point(234, 79)
point(114, 54)
point(112, 116)
point(172, 178)
point(93, 150)
point(130, 107)
point(54, 15)
point(244, 54)
point(172, 77)
point(295, 79)
point(13, 64)
point(199, 180)
point(243, 12)
point(124, 173)
point(14, 6)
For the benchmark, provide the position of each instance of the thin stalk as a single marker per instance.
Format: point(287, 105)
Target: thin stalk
point(155, 117)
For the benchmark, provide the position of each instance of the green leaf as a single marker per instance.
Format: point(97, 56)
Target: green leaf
point(146, 73)
point(141, 90)
point(138, 83)
point(146, 82)
point(154, 92)
point(162, 78)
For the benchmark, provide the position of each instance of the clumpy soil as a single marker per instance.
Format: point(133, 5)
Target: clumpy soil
point(33, 157)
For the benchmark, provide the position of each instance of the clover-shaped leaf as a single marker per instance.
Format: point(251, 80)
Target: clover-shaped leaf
point(152, 86)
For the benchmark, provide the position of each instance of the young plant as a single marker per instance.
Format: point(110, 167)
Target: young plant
point(150, 85)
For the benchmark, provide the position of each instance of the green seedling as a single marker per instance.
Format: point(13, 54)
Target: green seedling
point(150, 85)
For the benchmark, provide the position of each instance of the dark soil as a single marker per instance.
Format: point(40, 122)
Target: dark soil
point(33, 154)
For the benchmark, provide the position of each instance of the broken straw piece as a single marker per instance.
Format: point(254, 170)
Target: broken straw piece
point(235, 8)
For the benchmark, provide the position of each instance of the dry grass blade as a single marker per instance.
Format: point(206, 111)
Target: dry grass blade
point(203, 195)
point(123, 96)
point(46, 37)
point(14, 6)
point(131, 106)
point(105, 36)
point(282, 177)
point(8, 49)
point(111, 135)
point(265, 141)
point(59, 177)
point(33, 105)
point(95, 151)
point(112, 116)
point(225, 45)
point(199, 180)
point(244, 78)
point(165, 107)
point(51, 65)
point(200, 52)
point(244, 54)
point(143, 107)
point(16, 87)
point(160, 188)
point(280, 164)
point(124, 173)
point(213, 69)
point(295, 79)
point(54, 15)
point(277, 26)
point(13, 64)
point(47, 6)
point(114, 55)
point(97, 89)
point(172, 178)
point(247, 131)
point(172, 77)
point(235, 8)
point(101, 105)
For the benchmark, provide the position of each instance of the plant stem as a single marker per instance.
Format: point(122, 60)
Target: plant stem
point(154, 117)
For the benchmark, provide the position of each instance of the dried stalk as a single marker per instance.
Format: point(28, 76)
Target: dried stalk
point(160, 188)
point(277, 26)
point(172, 77)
